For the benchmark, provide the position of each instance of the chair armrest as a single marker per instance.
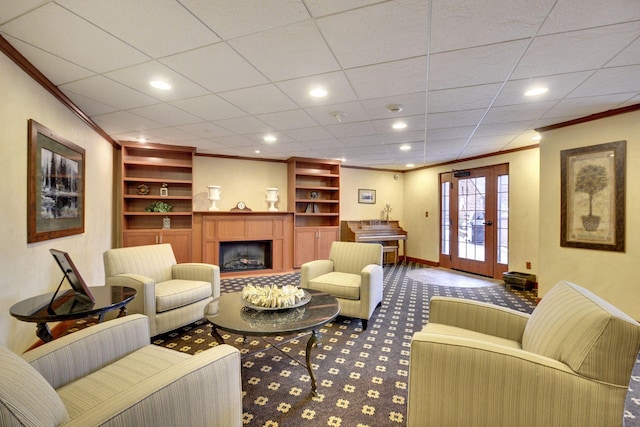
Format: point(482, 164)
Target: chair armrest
point(311, 270)
point(72, 356)
point(501, 386)
point(199, 271)
point(204, 389)
point(478, 316)
point(145, 300)
point(372, 279)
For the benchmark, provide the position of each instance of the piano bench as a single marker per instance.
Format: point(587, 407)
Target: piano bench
point(393, 249)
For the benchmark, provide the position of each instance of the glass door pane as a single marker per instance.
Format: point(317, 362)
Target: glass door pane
point(472, 196)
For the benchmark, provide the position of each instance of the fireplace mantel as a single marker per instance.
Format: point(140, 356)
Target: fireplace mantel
point(211, 228)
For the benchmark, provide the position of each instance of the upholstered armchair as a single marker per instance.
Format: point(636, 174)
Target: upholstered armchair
point(110, 375)
point(171, 295)
point(567, 364)
point(353, 274)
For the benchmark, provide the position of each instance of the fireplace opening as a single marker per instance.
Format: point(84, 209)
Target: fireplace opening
point(245, 255)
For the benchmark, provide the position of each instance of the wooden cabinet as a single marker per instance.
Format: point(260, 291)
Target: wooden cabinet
point(157, 173)
point(314, 192)
point(313, 243)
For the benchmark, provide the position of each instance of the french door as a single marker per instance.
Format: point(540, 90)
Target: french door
point(475, 220)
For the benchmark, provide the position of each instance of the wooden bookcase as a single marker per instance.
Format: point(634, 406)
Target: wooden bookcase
point(314, 192)
point(154, 167)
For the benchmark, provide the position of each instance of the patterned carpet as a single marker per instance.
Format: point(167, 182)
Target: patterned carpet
point(362, 375)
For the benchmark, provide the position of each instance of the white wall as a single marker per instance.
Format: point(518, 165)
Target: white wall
point(613, 276)
point(29, 269)
point(421, 194)
point(388, 190)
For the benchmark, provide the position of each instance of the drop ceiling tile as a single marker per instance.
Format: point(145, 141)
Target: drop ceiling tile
point(589, 105)
point(289, 52)
point(109, 92)
point(389, 79)
point(324, 144)
point(231, 19)
point(293, 119)
point(338, 87)
point(123, 121)
point(205, 130)
point(402, 137)
point(463, 98)
point(62, 33)
point(234, 141)
point(378, 33)
point(629, 55)
point(559, 86)
point(610, 81)
point(442, 134)
point(244, 125)
point(139, 76)
point(344, 130)
point(314, 133)
point(454, 119)
point(166, 114)
point(259, 99)
point(205, 146)
point(412, 104)
point(362, 141)
point(12, 9)
point(568, 15)
point(59, 71)
point(216, 67)
point(171, 135)
point(495, 129)
point(330, 7)
point(414, 123)
point(575, 51)
point(460, 24)
point(474, 66)
point(89, 106)
point(521, 112)
point(180, 30)
point(258, 138)
point(325, 114)
point(209, 107)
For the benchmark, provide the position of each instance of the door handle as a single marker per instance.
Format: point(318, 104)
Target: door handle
point(488, 222)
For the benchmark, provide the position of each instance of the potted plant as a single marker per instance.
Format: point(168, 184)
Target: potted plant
point(158, 206)
point(591, 179)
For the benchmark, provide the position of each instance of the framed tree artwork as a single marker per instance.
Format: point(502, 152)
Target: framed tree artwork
point(593, 197)
point(55, 185)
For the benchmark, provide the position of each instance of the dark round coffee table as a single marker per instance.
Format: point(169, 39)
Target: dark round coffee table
point(228, 313)
point(69, 306)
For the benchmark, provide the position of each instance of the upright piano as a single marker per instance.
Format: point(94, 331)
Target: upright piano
point(388, 233)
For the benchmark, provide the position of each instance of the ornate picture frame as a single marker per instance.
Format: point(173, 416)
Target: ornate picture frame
point(592, 200)
point(367, 196)
point(55, 185)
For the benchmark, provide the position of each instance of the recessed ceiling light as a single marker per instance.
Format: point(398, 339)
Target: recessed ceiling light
point(270, 138)
point(142, 139)
point(536, 137)
point(257, 151)
point(159, 84)
point(318, 92)
point(536, 91)
point(409, 165)
point(405, 147)
point(395, 108)
point(399, 125)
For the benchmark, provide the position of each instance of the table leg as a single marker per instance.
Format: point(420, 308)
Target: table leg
point(123, 311)
point(314, 339)
point(216, 336)
point(43, 332)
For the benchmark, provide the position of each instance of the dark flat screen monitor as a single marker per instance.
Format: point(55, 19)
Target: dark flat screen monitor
point(72, 274)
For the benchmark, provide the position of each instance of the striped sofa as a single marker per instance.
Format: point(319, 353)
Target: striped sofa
point(353, 274)
point(109, 375)
point(567, 364)
point(171, 295)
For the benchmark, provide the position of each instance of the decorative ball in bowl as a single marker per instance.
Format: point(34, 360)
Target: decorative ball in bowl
point(272, 297)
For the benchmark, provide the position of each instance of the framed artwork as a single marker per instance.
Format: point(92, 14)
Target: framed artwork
point(592, 200)
point(367, 196)
point(55, 185)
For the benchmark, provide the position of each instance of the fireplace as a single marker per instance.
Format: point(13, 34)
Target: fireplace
point(245, 255)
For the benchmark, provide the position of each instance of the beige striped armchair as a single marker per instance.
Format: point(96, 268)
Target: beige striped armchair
point(353, 274)
point(171, 295)
point(567, 364)
point(110, 375)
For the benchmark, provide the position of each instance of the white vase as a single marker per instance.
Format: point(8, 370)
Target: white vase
point(214, 196)
point(272, 198)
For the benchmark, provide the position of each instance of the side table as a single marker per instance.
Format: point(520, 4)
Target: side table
point(69, 306)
